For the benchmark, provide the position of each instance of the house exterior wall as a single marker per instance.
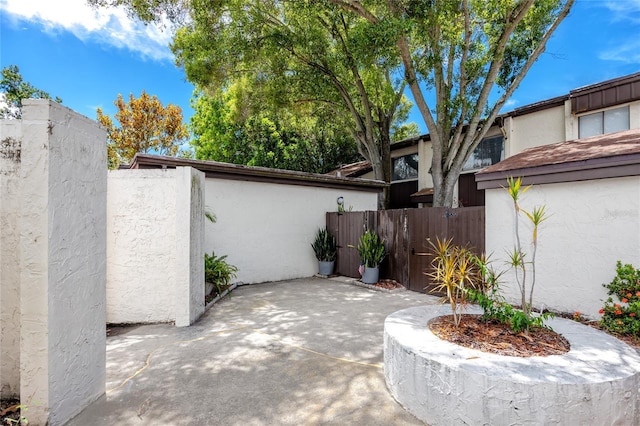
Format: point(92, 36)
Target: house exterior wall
point(534, 129)
point(592, 224)
point(11, 131)
point(571, 120)
point(62, 262)
point(266, 229)
point(155, 266)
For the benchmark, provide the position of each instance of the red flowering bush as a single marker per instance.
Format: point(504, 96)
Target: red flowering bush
point(623, 316)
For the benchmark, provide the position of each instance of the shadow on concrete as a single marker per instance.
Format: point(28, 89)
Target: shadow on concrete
point(297, 352)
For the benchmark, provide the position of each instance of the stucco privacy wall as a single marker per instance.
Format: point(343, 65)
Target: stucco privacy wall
point(10, 140)
point(592, 224)
point(154, 253)
point(266, 229)
point(62, 262)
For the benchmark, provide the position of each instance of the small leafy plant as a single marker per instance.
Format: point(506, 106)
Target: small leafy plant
point(324, 246)
point(371, 249)
point(218, 272)
point(623, 316)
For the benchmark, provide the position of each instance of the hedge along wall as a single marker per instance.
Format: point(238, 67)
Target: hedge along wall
point(52, 260)
point(155, 267)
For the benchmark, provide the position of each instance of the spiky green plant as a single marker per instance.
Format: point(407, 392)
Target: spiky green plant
point(324, 246)
point(454, 271)
point(371, 249)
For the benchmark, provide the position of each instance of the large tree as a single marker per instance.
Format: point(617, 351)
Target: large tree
point(144, 125)
point(14, 89)
point(311, 50)
point(470, 54)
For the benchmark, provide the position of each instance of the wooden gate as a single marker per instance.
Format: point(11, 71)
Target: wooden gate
point(465, 226)
point(407, 233)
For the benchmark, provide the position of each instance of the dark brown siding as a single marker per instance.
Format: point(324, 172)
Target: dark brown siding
point(400, 196)
point(468, 193)
point(614, 92)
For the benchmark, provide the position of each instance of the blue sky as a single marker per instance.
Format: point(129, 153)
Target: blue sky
point(88, 57)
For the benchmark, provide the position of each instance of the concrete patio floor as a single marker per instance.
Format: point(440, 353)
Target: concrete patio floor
point(299, 352)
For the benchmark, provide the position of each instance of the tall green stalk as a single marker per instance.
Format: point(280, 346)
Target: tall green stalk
point(517, 257)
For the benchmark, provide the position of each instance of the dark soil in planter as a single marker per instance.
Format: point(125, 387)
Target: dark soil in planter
point(498, 338)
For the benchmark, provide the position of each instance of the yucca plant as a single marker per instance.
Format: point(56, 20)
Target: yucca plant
point(324, 246)
point(371, 249)
point(454, 271)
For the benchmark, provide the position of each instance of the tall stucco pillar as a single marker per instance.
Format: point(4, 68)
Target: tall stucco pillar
point(62, 253)
point(189, 245)
point(10, 141)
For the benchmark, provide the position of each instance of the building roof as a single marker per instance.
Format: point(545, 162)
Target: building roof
point(256, 174)
point(603, 156)
point(594, 96)
point(351, 170)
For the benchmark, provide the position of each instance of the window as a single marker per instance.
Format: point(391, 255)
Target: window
point(609, 121)
point(488, 152)
point(405, 167)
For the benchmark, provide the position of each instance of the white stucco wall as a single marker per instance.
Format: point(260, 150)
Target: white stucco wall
point(592, 224)
point(141, 246)
point(266, 229)
point(155, 267)
point(189, 302)
point(62, 251)
point(10, 140)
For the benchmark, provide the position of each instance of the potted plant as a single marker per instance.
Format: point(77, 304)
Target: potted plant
point(325, 249)
point(372, 252)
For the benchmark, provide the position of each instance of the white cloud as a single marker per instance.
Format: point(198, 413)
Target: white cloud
point(628, 53)
point(110, 26)
point(627, 10)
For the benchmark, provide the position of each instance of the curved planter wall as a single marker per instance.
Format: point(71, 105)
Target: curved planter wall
point(597, 382)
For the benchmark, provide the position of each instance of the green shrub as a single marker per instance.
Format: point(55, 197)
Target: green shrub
point(495, 308)
point(623, 315)
point(218, 272)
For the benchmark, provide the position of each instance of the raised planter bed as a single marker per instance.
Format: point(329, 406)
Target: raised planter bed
point(596, 382)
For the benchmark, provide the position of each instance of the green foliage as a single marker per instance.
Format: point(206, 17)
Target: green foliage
point(15, 90)
point(623, 316)
point(267, 138)
point(454, 272)
point(324, 246)
point(494, 306)
point(218, 272)
point(496, 309)
point(371, 249)
point(303, 56)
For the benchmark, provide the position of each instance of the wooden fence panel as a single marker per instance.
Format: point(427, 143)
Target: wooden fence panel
point(392, 226)
point(407, 232)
